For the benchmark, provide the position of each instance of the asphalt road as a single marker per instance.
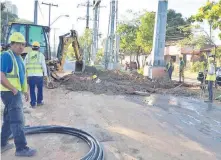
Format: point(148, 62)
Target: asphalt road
point(159, 127)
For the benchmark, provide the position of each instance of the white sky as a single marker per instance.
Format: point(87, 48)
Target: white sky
point(26, 11)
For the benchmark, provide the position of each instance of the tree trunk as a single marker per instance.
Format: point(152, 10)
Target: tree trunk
point(138, 63)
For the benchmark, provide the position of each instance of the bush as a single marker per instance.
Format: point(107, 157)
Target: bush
point(140, 71)
point(197, 66)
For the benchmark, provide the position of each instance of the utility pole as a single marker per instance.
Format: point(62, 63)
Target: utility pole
point(157, 62)
point(96, 7)
point(36, 12)
point(111, 49)
point(49, 21)
point(87, 18)
point(50, 5)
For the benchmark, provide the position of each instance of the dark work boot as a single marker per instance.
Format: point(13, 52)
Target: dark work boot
point(40, 104)
point(6, 147)
point(26, 152)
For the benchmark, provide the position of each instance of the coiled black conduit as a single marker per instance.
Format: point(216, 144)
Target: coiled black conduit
point(96, 151)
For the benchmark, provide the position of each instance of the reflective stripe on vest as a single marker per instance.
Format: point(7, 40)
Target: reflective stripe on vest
point(33, 63)
point(13, 76)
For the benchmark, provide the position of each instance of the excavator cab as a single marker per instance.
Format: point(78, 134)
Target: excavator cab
point(32, 33)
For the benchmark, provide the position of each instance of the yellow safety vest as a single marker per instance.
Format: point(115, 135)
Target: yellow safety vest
point(13, 77)
point(210, 77)
point(169, 64)
point(33, 63)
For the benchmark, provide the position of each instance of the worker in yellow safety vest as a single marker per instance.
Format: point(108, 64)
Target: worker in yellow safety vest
point(181, 69)
point(170, 68)
point(36, 70)
point(211, 77)
point(13, 84)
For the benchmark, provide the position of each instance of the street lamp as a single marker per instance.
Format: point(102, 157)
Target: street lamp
point(58, 18)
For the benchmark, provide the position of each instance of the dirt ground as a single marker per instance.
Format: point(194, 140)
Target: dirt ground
point(118, 83)
point(127, 130)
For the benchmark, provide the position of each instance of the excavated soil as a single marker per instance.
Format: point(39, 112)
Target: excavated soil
point(118, 83)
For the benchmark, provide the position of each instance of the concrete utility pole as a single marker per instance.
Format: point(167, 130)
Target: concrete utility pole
point(36, 12)
point(157, 67)
point(96, 6)
point(112, 47)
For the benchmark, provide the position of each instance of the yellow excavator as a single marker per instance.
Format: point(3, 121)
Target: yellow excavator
point(68, 48)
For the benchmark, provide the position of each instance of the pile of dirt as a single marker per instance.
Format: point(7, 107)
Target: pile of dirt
point(117, 83)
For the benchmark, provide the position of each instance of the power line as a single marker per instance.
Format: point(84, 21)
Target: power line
point(50, 5)
point(41, 12)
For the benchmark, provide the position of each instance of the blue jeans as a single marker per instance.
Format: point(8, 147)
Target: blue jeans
point(33, 82)
point(210, 90)
point(13, 119)
point(170, 71)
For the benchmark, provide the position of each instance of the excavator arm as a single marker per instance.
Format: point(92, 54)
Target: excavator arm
point(69, 49)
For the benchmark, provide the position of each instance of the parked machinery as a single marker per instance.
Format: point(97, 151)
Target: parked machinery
point(40, 33)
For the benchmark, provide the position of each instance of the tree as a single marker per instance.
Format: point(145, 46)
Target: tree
point(145, 32)
point(195, 41)
point(2, 6)
point(211, 12)
point(144, 38)
point(7, 18)
point(85, 41)
point(177, 26)
point(99, 55)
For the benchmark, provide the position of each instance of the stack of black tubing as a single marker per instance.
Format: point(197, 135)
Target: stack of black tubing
point(96, 151)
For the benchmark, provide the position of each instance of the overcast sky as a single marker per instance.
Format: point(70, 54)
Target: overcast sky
point(26, 11)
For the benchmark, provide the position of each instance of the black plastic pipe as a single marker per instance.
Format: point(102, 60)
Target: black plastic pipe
point(96, 151)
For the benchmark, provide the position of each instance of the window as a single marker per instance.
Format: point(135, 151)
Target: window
point(18, 28)
point(36, 33)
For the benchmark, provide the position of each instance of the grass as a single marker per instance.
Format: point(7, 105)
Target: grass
point(187, 74)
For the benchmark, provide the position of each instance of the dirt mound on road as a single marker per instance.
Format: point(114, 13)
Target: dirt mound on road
point(115, 82)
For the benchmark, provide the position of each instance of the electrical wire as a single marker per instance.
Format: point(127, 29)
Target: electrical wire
point(96, 151)
point(41, 12)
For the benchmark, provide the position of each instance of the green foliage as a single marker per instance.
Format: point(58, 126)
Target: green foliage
point(210, 12)
point(198, 66)
point(140, 71)
point(7, 18)
point(137, 30)
point(128, 37)
point(177, 27)
point(217, 53)
point(86, 38)
point(145, 32)
point(196, 41)
point(99, 55)
point(2, 6)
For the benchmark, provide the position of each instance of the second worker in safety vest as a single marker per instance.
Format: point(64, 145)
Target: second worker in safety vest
point(36, 70)
point(211, 78)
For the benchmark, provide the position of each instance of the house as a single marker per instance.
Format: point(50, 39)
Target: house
point(188, 53)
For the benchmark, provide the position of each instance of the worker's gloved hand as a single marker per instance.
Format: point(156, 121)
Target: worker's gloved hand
point(26, 96)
